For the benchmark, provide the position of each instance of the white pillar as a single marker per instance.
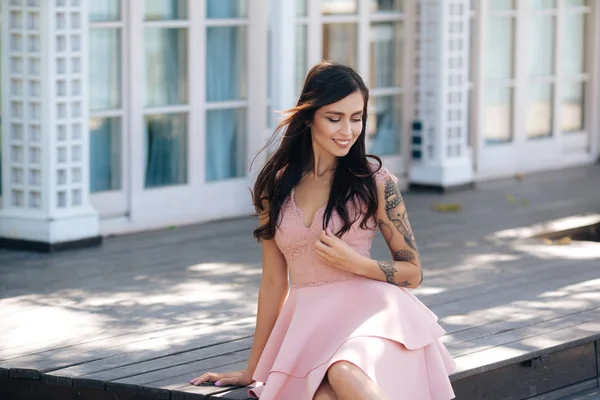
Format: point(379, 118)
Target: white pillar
point(283, 55)
point(45, 126)
point(443, 159)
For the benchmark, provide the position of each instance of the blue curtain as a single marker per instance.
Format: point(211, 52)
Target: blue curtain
point(224, 56)
point(101, 158)
point(166, 84)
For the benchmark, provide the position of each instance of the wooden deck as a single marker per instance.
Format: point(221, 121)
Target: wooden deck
point(140, 316)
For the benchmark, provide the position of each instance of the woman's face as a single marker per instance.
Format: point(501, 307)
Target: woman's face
point(335, 127)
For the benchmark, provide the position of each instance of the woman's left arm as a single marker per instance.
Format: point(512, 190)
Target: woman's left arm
point(404, 270)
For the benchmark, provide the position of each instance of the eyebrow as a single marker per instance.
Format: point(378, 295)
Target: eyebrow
point(341, 113)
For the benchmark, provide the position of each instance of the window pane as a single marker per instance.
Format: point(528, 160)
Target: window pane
point(165, 150)
point(105, 10)
point(301, 8)
point(542, 3)
point(166, 66)
point(541, 45)
point(105, 69)
point(498, 115)
point(384, 125)
point(226, 63)
point(573, 58)
point(339, 43)
point(165, 9)
point(500, 48)
point(105, 154)
point(576, 3)
point(386, 54)
point(301, 56)
point(539, 111)
point(502, 4)
point(386, 5)
point(572, 112)
point(329, 7)
point(226, 9)
point(225, 144)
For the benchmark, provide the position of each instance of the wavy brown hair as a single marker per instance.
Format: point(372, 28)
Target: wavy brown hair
point(353, 181)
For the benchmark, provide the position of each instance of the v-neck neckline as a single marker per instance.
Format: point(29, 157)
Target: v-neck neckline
point(301, 214)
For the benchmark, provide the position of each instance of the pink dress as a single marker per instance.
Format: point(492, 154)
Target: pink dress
point(332, 315)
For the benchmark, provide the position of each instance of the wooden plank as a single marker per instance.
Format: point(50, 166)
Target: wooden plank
point(111, 372)
point(571, 392)
point(190, 371)
point(520, 381)
point(531, 333)
point(510, 353)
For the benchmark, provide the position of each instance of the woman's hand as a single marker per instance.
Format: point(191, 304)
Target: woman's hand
point(242, 378)
point(334, 252)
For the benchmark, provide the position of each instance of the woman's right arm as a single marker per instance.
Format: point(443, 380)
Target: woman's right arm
point(274, 286)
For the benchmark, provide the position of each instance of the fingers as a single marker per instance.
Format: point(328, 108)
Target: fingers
point(208, 377)
point(227, 382)
point(328, 237)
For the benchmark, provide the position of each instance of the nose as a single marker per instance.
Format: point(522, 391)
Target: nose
point(346, 128)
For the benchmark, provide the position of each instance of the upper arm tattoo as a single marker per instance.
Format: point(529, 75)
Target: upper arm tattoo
point(393, 199)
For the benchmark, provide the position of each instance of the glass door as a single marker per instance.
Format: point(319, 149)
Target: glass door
point(532, 78)
point(108, 120)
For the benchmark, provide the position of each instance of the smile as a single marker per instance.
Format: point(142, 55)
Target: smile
point(342, 143)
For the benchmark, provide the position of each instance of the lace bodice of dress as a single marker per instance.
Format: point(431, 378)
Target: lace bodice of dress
point(296, 241)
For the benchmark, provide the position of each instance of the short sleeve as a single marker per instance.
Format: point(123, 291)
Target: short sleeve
point(383, 174)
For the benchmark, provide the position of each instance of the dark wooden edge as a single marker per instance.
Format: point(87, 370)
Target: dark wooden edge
point(123, 388)
point(598, 359)
point(44, 247)
point(428, 188)
point(86, 383)
point(154, 393)
point(57, 380)
point(24, 373)
point(525, 357)
point(3, 372)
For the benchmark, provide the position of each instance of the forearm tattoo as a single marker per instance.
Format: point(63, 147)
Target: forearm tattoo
point(389, 269)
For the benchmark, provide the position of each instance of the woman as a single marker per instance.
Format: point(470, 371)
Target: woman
point(349, 328)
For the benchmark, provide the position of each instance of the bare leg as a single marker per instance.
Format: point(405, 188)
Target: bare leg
point(350, 383)
point(325, 392)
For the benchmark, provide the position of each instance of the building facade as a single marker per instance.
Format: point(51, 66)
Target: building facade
point(127, 115)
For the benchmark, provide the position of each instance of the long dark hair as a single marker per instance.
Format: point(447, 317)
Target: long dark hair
point(326, 83)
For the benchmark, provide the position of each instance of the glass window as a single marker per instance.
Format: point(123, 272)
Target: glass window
point(576, 3)
point(104, 69)
point(572, 107)
point(539, 111)
point(500, 48)
point(105, 154)
point(386, 54)
point(542, 3)
point(301, 56)
point(541, 45)
point(384, 125)
point(165, 150)
point(337, 7)
point(502, 4)
point(387, 5)
point(340, 43)
point(225, 144)
point(498, 115)
point(226, 63)
point(301, 8)
point(106, 10)
point(156, 10)
point(225, 9)
point(165, 66)
point(573, 59)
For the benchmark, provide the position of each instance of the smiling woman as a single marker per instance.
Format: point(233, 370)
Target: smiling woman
point(348, 328)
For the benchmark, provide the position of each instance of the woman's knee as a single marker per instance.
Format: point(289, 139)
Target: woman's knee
point(325, 392)
point(341, 371)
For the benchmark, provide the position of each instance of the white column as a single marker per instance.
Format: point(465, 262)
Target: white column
point(45, 119)
point(283, 54)
point(443, 57)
